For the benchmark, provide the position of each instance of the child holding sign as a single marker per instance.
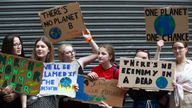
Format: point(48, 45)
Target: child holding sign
point(12, 44)
point(106, 68)
point(106, 57)
point(43, 51)
point(67, 55)
point(141, 97)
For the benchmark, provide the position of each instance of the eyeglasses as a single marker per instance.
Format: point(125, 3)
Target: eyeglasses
point(16, 44)
point(178, 48)
point(72, 52)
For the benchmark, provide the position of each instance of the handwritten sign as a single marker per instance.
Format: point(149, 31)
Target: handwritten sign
point(146, 74)
point(169, 24)
point(59, 79)
point(99, 90)
point(23, 74)
point(63, 22)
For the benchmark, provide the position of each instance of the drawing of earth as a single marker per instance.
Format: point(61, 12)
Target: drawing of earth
point(161, 82)
point(164, 25)
point(65, 82)
point(55, 33)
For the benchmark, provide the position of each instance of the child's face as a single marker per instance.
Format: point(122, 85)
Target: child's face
point(41, 49)
point(141, 55)
point(103, 55)
point(68, 54)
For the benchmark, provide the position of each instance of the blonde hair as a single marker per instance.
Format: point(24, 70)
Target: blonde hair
point(61, 51)
point(63, 46)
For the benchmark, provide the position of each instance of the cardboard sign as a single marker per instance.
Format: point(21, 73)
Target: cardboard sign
point(99, 90)
point(169, 24)
point(59, 79)
point(23, 74)
point(63, 22)
point(146, 74)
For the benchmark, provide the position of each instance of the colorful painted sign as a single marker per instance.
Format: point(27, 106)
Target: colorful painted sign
point(169, 24)
point(23, 74)
point(59, 79)
point(146, 74)
point(99, 90)
point(62, 22)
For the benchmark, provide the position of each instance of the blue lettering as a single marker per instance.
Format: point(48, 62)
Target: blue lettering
point(48, 66)
point(42, 88)
point(66, 66)
point(48, 82)
point(64, 73)
point(49, 88)
point(54, 74)
point(56, 66)
point(72, 73)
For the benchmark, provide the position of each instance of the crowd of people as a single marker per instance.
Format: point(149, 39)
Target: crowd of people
point(44, 51)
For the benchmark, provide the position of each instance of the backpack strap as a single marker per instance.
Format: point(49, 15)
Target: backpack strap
point(114, 70)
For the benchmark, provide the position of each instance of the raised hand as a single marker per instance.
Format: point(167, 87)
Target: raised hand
point(87, 35)
point(160, 43)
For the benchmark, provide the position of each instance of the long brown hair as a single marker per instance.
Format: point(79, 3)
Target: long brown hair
point(50, 55)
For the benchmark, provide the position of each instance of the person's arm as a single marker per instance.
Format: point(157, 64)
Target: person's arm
point(24, 100)
point(90, 58)
point(160, 44)
point(88, 38)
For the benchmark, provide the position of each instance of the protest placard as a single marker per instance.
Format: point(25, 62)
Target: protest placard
point(169, 24)
point(99, 90)
point(146, 74)
point(23, 74)
point(59, 79)
point(62, 22)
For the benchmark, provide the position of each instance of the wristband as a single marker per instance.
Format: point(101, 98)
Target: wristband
point(88, 39)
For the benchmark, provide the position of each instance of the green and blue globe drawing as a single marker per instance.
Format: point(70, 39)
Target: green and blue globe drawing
point(161, 82)
point(164, 25)
point(65, 82)
point(55, 33)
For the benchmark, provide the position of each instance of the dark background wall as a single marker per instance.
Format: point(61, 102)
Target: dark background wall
point(117, 22)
